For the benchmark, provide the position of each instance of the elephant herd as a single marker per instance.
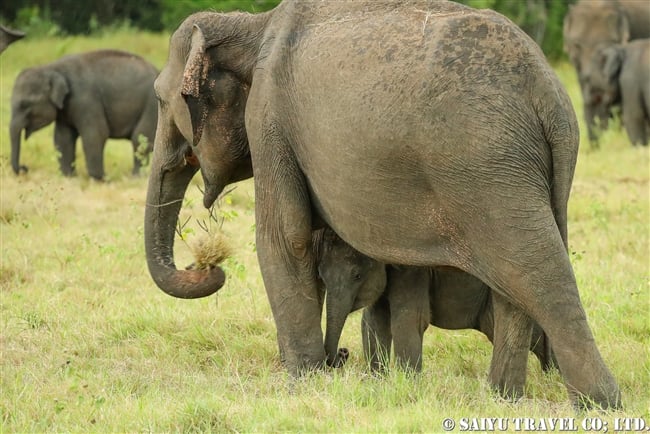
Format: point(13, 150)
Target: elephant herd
point(608, 44)
point(412, 158)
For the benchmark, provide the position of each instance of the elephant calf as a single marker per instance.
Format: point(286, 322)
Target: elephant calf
point(96, 95)
point(626, 72)
point(402, 301)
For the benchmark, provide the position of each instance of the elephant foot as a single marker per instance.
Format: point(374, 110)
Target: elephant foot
point(340, 358)
point(605, 397)
point(299, 366)
point(509, 392)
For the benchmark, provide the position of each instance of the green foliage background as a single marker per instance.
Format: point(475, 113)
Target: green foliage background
point(541, 19)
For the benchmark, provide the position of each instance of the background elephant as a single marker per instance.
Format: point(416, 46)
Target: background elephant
point(590, 26)
point(625, 71)
point(8, 36)
point(96, 95)
point(402, 301)
point(450, 122)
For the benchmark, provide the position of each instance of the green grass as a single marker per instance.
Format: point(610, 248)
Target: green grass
point(88, 343)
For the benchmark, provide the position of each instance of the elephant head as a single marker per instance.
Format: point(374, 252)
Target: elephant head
point(38, 95)
point(352, 281)
point(8, 36)
point(202, 100)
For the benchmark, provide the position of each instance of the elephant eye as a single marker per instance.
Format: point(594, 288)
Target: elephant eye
point(357, 276)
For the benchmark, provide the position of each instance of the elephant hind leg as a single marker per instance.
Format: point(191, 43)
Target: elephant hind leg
point(512, 334)
point(530, 267)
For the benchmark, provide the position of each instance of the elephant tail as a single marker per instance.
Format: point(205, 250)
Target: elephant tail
point(560, 127)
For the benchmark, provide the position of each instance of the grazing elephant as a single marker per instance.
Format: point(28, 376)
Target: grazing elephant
point(8, 36)
point(446, 297)
point(357, 115)
point(625, 72)
point(590, 26)
point(96, 95)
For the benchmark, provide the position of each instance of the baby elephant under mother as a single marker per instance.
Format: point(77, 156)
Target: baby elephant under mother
point(423, 133)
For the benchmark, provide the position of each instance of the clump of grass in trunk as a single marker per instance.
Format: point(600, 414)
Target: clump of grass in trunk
point(211, 247)
point(209, 250)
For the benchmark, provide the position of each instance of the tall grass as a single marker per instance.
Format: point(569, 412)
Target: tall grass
point(88, 343)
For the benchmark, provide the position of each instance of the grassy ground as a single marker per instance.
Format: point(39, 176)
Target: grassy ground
point(88, 343)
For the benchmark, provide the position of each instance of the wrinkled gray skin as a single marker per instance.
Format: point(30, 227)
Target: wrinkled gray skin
point(96, 96)
point(402, 301)
point(590, 26)
point(625, 72)
point(361, 114)
point(8, 36)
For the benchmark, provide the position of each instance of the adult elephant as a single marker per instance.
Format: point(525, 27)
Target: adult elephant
point(625, 72)
point(362, 114)
point(590, 26)
point(8, 36)
point(96, 96)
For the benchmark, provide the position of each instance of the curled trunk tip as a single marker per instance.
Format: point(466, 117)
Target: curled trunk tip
point(188, 284)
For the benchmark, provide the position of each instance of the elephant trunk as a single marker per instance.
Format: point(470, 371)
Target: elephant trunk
point(15, 131)
point(335, 322)
point(164, 199)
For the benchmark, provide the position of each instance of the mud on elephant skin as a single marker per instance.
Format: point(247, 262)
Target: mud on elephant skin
point(307, 90)
point(96, 96)
point(402, 301)
point(625, 72)
point(590, 26)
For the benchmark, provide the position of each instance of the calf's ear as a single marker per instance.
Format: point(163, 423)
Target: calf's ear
point(58, 88)
point(194, 77)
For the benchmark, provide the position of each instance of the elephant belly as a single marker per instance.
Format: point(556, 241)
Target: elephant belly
point(395, 219)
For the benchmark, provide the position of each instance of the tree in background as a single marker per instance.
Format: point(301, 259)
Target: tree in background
point(541, 19)
point(83, 17)
point(174, 11)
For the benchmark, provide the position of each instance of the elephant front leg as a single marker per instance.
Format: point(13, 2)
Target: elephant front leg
point(93, 141)
point(635, 119)
point(283, 218)
point(65, 138)
point(512, 336)
point(376, 334)
point(408, 296)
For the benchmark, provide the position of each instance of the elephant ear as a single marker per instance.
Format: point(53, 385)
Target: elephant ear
point(619, 25)
point(58, 89)
point(194, 77)
point(612, 61)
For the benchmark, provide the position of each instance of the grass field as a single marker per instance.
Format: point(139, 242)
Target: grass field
point(88, 342)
